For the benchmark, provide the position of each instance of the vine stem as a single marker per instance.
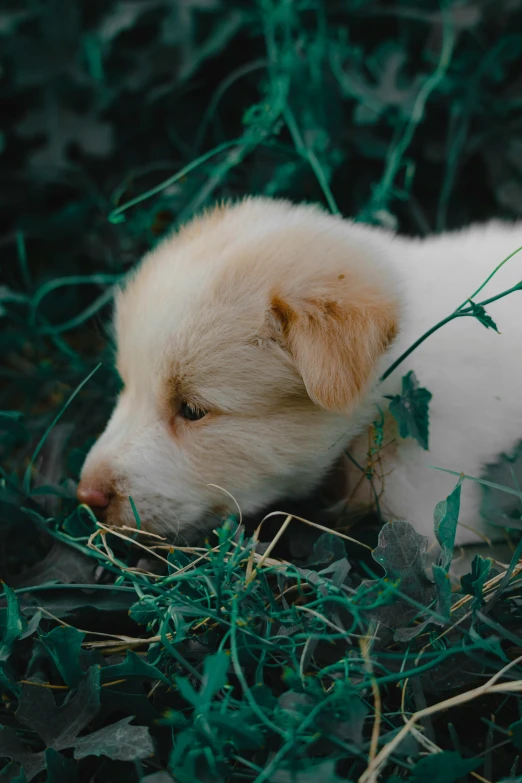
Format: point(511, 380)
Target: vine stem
point(116, 216)
point(460, 312)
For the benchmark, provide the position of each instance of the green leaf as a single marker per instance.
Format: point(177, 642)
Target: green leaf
point(498, 506)
point(446, 767)
point(410, 410)
point(401, 551)
point(60, 769)
point(238, 726)
point(12, 773)
point(12, 747)
point(516, 733)
point(78, 525)
point(133, 666)
point(145, 611)
point(14, 626)
point(188, 692)
point(64, 645)
point(11, 415)
point(328, 549)
point(350, 716)
point(473, 583)
point(480, 314)
point(119, 741)
point(59, 726)
point(7, 683)
point(443, 585)
point(215, 668)
point(446, 517)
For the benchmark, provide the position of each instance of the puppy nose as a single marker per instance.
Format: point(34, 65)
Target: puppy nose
point(93, 496)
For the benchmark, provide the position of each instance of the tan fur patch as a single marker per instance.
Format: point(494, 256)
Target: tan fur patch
point(336, 342)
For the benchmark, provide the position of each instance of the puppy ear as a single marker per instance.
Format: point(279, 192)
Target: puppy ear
point(335, 338)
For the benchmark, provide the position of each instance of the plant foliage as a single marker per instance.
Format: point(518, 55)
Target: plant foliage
point(120, 121)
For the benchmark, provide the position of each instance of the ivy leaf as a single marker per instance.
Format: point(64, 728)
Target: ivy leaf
point(328, 549)
point(473, 583)
point(59, 768)
point(446, 517)
point(11, 746)
point(410, 410)
point(446, 767)
point(59, 727)
point(64, 645)
point(480, 314)
point(401, 551)
point(119, 742)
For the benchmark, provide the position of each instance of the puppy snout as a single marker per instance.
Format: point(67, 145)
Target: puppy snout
point(96, 493)
point(93, 496)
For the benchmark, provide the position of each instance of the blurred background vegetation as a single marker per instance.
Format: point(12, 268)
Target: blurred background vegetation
point(404, 113)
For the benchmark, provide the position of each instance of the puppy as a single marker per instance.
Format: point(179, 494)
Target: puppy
point(250, 345)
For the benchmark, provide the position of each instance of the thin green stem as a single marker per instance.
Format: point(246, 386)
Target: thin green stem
point(71, 586)
point(256, 709)
point(486, 281)
point(309, 155)
point(416, 344)
point(459, 313)
point(397, 151)
point(116, 216)
point(27, 477)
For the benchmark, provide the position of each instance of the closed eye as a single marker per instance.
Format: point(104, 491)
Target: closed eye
point(191, 412)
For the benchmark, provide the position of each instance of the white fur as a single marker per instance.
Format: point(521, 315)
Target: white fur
point(195, 322)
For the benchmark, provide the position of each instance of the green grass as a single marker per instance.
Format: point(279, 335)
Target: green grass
point(120, 123)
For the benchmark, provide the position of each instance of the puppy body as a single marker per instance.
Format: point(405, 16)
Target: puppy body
point(276, 322)
point(473, 373)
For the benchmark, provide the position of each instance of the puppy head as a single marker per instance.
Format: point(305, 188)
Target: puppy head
point(247, 345)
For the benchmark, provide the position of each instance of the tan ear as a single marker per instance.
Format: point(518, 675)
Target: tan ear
point(336, 339)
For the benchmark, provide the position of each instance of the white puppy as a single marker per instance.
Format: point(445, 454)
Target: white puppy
point(250, 345)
